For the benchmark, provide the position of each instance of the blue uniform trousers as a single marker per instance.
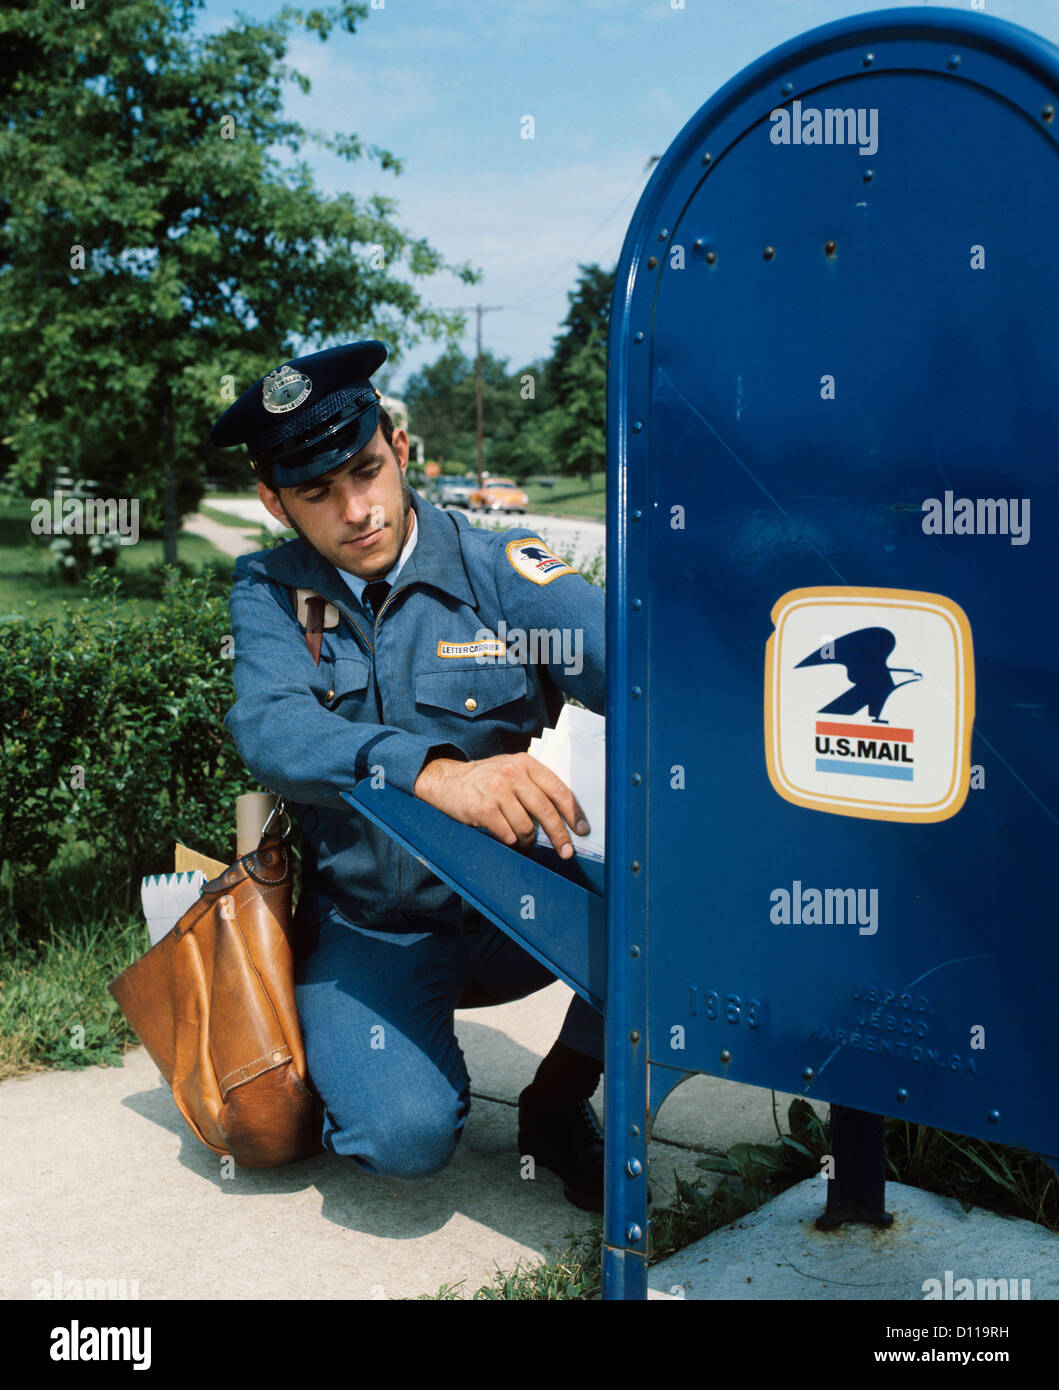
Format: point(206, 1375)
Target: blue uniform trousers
point(376, 1012)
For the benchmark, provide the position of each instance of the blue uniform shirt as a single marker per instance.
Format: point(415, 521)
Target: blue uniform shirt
point(384, 698)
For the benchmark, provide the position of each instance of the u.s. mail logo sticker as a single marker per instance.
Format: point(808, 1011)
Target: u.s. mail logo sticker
point(869, 702)
point(537, 561)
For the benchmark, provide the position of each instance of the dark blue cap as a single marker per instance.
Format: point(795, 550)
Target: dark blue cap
point(309, 415)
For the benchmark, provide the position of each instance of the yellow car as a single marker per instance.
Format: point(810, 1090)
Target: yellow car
point(498, 495)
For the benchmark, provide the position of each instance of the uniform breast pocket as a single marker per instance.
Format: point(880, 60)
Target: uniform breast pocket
point(474, 693)
point(349, 682)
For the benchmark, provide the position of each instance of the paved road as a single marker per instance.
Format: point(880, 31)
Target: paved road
point(249, 508)
point(585, 538)
point(230, 540)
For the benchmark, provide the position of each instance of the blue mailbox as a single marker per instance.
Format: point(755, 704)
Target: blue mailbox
point(832, 752)
point(834, 773)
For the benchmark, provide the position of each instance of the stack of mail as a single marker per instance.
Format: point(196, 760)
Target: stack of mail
point(576, 751)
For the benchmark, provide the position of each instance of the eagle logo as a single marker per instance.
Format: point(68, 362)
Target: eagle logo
point(863, 655)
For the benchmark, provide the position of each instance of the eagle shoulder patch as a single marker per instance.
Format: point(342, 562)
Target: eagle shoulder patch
point(536, 561)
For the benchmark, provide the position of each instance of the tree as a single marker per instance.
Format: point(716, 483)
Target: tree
point(577, 375)
point(157, 255)
point(440, 399)
point(441, 405)
point(532, 448)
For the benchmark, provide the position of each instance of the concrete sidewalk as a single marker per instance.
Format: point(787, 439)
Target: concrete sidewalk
point(229, 540)
point(103, 1180)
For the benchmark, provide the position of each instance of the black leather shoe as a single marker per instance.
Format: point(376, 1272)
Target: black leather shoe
point(564, 1136)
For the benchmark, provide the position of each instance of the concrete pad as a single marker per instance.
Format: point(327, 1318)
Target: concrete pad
point(777, 1253)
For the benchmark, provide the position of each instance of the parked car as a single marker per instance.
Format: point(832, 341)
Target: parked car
point(453, 492)
point(499, 495)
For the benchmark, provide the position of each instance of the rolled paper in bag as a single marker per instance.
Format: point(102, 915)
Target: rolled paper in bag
point(252, 810)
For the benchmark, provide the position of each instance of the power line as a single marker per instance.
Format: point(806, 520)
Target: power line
point(519, 307)
point(588, 240)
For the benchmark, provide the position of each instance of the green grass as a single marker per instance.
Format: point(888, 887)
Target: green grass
point(228, 519)
point(30, 585)
point(55, 1009)
point(570, 497)
point(57, 955)
point(574, 1273)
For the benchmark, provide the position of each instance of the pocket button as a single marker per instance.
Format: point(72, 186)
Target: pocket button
point(470, 704)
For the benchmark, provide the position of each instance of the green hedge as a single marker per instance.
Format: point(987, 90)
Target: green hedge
point(111, 737)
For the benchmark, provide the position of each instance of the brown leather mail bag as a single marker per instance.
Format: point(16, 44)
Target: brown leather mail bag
point(213, 1003)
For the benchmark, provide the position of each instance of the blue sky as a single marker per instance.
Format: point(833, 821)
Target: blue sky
point(444, 85)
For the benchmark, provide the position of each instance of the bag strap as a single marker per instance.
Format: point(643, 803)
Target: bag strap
point(314, 627)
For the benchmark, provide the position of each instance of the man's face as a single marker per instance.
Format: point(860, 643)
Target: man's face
point(356, 516)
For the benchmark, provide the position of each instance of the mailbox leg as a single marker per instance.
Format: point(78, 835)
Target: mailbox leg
point(626, 1234)
point(626, 1230)
point(857, 1192)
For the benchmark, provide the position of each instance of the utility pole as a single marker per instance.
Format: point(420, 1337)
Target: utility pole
point(479, 310)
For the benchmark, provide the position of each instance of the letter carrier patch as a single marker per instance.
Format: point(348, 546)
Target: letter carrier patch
point(536, 561)
point(491, 646)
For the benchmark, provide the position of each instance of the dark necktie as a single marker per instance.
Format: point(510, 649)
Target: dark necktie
point(375, 596)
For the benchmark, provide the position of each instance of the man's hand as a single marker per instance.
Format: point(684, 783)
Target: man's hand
point(504, 795)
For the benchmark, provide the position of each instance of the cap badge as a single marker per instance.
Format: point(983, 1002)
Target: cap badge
point(283, 390)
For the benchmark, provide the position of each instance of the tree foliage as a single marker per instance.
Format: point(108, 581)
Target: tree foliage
point(578, 373)
point(442, 405)
point(546, 417)
point(162, 242)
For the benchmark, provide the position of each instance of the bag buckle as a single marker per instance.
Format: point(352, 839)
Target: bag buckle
point(279, 809)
